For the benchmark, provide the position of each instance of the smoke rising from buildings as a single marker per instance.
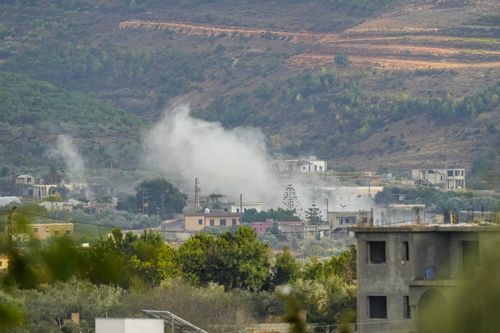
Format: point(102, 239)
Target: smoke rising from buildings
point(75, 167)
point(234, 161)
point(229, 161)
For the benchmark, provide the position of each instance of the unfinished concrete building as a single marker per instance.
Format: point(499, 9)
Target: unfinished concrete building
point(401, 267)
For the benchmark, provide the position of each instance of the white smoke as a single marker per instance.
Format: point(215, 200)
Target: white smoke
point(75, 167)
point(229, 161)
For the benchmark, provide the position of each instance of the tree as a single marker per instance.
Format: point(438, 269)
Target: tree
point(341, 59)
point(286, 269)
point(11, 314)
point(313, 215)
point(290, 200)
point(49, 307)
point(158, 193)
point(234, 260)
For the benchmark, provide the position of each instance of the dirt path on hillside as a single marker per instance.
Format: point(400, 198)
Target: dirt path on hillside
point(373, 49)
point(314, 60)
point(209, 30)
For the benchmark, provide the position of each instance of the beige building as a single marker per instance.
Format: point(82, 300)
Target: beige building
point(4, 262)
point(447, 179)
point(44, 231)
point(195, 221)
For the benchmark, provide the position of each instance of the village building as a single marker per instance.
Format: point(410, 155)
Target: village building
point(310, 165)
point(4, 262)
point(400, 268)
point(234, 207)
point(25, 180)
point(43, 231)
point(447, 179)
point(262, 227)
point(196, 221)
point(56, 206)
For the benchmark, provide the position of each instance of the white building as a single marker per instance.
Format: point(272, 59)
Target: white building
point(311, 165)
point(448, 179)
point(237, 208)
point(129, 325)
point(25, 180)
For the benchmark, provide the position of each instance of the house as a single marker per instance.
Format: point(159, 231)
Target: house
point(53, 206)
point(295, 228)
point(196, 221)
point(400, 268)
point(262, 227)
point(4, 262)
point(241, 208)
point(310, 165)
point(340, 219)
point(447, 179)
point(25, 180)
point(44, 231)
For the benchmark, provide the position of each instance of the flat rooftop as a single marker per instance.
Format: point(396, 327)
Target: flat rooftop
point(464, 227)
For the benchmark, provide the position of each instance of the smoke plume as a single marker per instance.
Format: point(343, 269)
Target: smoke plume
point(74, 163)
point(229, 161)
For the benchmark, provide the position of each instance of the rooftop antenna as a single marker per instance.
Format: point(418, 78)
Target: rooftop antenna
point(241, 203)
point(196, 195)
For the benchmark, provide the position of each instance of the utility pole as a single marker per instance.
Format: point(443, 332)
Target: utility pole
point(326, 214)
point(196, 195)
point(163, 197)
point(241, 203)
point(158, 216)
point(145, 203)
point(10, 225)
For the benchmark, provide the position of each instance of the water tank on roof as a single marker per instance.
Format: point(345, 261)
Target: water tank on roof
point(430, 273)
point(207, 210)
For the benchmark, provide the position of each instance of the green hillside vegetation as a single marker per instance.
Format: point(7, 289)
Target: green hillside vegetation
point(339, 110)
point(146, 79)
point(33, 113)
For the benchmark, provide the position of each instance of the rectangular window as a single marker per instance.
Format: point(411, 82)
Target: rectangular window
point(222, 221)
point(35, 229)
point(1, 263)
point(234, 221)
point(56, 232)
point(470, 258)
point(377, 307)
point(406, 307)
point(67, 232)
point(376, 252)
point(450, 173)
point(406, 251)
point(212, 222)
point(200, 221)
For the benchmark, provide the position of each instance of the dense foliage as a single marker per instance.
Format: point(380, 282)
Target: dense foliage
point(344, 108)
point(122, 267)
point(155, 196)
point(107, 71)
point(31, 110)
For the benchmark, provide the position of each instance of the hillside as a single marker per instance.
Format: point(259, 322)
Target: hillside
point(34, 113)
point(389, 83)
